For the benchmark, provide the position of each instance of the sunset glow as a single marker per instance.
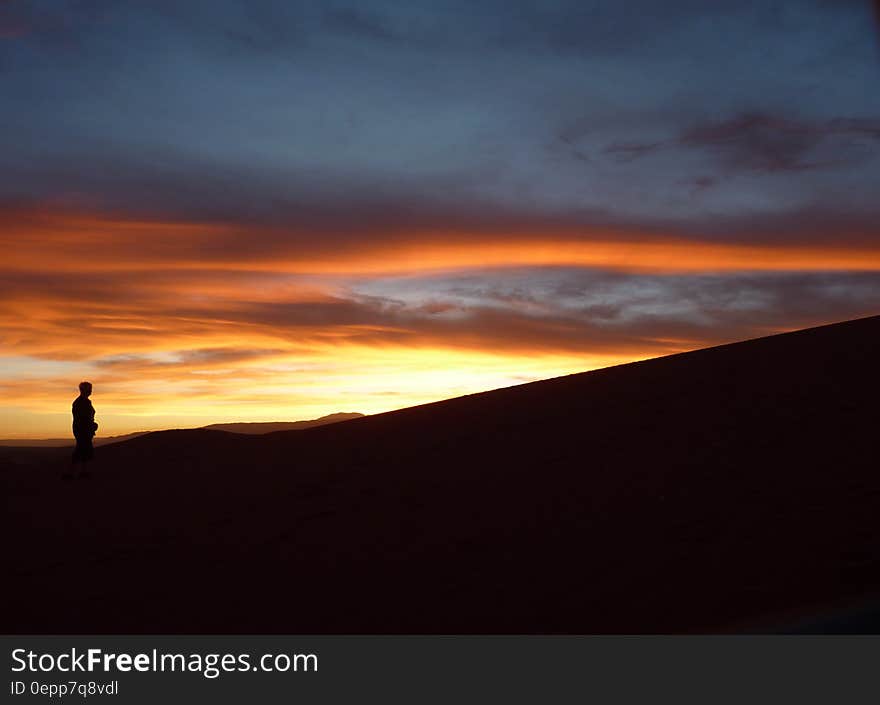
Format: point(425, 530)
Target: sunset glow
point(258, 228)
point(87, 245)
point(170, 337)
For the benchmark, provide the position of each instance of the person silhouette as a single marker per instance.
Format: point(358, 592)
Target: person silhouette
point(84, 428)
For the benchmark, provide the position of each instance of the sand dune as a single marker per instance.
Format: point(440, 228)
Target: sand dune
point(64, 442)
point(715, 490)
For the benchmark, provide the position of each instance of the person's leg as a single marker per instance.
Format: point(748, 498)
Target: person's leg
point(86, 456)
point(78, 455)
point(74, 459)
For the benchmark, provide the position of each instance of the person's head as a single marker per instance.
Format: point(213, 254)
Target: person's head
point(85, 388)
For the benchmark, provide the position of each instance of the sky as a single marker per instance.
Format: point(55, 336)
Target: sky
point(224, 211)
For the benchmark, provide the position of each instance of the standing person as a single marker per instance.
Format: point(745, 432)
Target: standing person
point(84, 428)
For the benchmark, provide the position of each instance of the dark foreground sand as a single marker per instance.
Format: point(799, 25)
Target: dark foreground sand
point(735, 488)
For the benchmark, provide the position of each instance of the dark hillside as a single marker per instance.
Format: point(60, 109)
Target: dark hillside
point(705, 491)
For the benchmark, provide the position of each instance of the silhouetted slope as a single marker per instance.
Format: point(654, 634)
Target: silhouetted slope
point(702, 491)
point(272, 426)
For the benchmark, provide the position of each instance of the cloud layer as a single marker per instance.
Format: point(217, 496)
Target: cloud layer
point(270, 209)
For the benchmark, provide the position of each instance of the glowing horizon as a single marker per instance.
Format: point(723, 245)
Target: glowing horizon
point(171, 341)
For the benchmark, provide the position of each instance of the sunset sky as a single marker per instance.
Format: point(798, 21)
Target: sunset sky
point(223, 211)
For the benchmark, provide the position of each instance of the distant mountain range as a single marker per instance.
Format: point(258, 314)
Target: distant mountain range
point(272, 426)
point(248, 428)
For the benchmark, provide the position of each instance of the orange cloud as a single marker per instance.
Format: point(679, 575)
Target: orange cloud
point(192, 323)
point(91, 243)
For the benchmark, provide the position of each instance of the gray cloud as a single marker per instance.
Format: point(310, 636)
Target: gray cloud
point(761, 142)
point(270, 110)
